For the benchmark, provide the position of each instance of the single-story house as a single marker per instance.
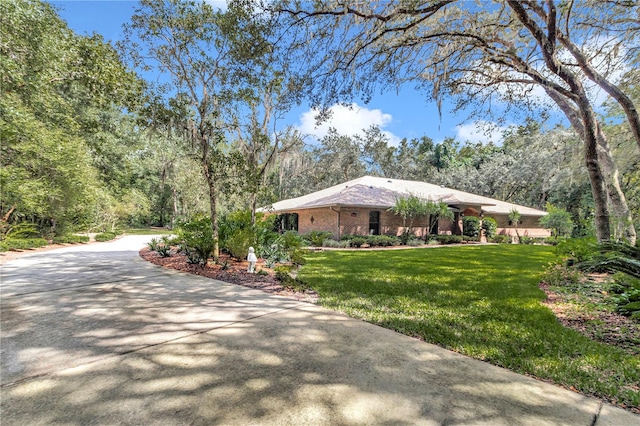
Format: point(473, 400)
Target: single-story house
point(362, 206)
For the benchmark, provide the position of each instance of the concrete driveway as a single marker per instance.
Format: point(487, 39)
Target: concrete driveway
point(95, 335)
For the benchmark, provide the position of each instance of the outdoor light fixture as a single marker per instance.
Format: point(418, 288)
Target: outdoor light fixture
point(312, 219)
point(354, 214)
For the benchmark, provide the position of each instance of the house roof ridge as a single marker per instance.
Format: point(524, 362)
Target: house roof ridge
point(430, 191)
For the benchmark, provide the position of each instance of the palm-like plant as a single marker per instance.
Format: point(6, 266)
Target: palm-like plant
point(614, 257)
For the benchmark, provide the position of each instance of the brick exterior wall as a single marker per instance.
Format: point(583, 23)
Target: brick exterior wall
point(355, 221)
point(529, 226)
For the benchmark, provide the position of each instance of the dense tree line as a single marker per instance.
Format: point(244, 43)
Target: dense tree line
point(530, 167)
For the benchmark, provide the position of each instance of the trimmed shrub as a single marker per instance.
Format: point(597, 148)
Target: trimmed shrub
point(238, 243)
point(471, 226)
point(317, 238)
point(331, 243)
point(196, 238)
point(490, 226)
point(22, 243)
point(357, 241)
point(291, 240)
point(405, 237)
point(449, 239)
point(500, 239)
point(70, 239)
point(414, 242)
point(105, 236)
point(382, 241)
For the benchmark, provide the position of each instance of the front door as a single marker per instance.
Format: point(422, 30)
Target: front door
point(374, 223)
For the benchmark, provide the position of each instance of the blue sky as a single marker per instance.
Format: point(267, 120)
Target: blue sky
point(406, 114)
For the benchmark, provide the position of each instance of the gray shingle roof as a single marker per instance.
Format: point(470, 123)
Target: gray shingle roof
point(369, 191)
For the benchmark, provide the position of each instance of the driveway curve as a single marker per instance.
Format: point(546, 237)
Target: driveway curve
point(94, 335)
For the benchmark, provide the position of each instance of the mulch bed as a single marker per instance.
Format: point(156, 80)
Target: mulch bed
point(599, 325)
point(235, 272)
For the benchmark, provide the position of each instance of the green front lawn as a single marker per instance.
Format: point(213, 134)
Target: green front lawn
point(481, 301)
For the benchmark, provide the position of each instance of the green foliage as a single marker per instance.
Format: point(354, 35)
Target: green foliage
point(577, 249)
point(237, 233)
point(331, 243)
point(153, 244)
point(22, 230)
point(54, 84)
point(405, 237)
point(490, 226)
point(558, 221)
point(291, 240)
point(482, 301)
point(614, 257)
point(471, 226)
point(22, 243)
point(382, 241)
point(163, 250)
point(317, 238)
point(449, 239)
point(297, 257)
point(283, 274)
point(239, 242)
point(105, 236)
point(70, 239)
point(275, 252)
point(196, 238)
point(500, 239)
point(414, 242)
point(357, 241)
point(561, 275)
point(527, 240)
point(408, 208)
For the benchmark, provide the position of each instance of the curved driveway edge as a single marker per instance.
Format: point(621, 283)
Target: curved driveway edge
point(95, 335)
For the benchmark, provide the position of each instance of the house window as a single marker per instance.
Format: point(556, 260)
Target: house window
point(435, 226)
point(286, 222)
point(374, 223)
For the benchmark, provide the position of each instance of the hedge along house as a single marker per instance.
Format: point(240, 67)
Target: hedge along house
point(362, 207)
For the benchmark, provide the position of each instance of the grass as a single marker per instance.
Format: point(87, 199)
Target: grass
point(147, 231)
point(481, 301)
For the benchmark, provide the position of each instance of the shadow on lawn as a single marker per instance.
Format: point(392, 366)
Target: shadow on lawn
point(479, 301)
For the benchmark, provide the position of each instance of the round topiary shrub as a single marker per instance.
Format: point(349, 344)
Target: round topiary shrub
point(490, 226)
point(471, 226)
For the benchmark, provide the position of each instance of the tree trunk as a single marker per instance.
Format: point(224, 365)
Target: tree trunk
point(253, 201)
point(213, 206)
point(174, 195)
point(596, 177)
point(622, 214)
point(609, 168)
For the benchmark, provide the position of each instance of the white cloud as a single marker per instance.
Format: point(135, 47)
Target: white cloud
point(480, 131)
point(347, 121)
